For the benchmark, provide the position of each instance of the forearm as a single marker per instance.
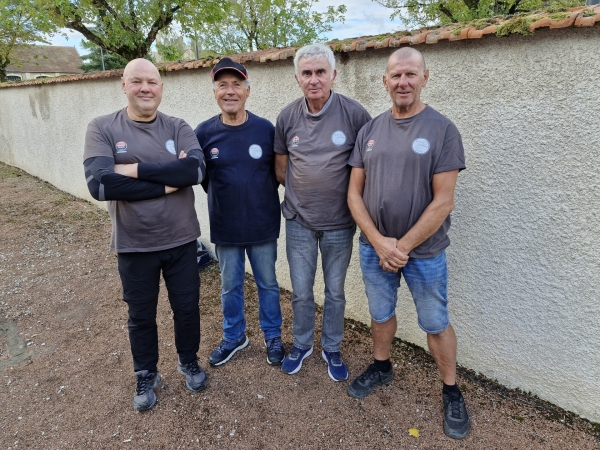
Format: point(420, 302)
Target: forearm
point(179, 173)
point(103, 184)
point(281, 162)
point(430, 221)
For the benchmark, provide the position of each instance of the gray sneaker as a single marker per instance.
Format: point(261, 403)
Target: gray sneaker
point(456, 418)
point(144, 397)
point(195, 376)
point(368, 381)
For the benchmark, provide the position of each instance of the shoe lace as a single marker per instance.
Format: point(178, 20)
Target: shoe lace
point(274, 345)
point(193, 368)
point(143, 385)
point(371, 372)
point(455, 407)
point(335, 358)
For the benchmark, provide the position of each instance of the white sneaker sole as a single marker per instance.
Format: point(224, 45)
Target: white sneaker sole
point(244, 345)
point(306, 355)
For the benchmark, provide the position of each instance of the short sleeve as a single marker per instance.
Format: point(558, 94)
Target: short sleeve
point(453, 152)
point(186, 138)
point(356, 157)
point(96, 143)
point(280, 145)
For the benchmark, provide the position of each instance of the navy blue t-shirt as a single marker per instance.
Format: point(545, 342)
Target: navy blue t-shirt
point(243, 203)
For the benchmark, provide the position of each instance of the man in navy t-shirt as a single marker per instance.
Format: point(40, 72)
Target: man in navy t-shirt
point(243, 209)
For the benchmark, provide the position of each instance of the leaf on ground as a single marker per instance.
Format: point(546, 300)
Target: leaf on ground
point(413, 432)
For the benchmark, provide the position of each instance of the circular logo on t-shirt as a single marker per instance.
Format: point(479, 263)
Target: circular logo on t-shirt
point(170, 145)
point(214, 153)
point(255, 151)
point(420, 146)
point(338, 138)
point(121, 147)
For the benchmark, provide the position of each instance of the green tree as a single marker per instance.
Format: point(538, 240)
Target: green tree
point(427, 12)
point(129, 27)
point(92, 61)
point(170, 46)
point(22, 22)
point(260, 24)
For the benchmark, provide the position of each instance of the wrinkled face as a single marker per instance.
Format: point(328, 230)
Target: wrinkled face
point(144, 89)
point(404, 80)
point(231, 93)
point(315, 78)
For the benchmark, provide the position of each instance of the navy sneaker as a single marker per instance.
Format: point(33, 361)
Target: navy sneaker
point(275, 351)
point(292, 363)
point(144, 397)
point(335, 366)
point(195, 377)
point(456, 418)
point(368, 381)
point(225, 350)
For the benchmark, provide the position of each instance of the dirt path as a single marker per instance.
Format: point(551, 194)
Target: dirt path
point(66, 376)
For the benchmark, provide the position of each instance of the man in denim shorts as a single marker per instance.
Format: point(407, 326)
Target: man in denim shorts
point(405, 166)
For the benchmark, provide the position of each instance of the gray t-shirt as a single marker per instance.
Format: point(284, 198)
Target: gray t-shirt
point(148, 225)
point(400, 157)
point(318, 146)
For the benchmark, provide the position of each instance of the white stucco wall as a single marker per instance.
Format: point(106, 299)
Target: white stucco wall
point(524, 264)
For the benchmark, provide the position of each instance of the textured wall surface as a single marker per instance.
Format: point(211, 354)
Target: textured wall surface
point(524, 264)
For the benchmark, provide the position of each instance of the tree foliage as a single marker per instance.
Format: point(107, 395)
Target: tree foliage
point(22, 22)
point(129, 27)
point(92, 61)
point(260, 24)
point(427, 12)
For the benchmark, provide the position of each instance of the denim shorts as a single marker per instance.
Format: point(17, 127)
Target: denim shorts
point(427, 280)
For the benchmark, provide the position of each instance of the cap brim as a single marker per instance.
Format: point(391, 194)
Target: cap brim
point(244, 76)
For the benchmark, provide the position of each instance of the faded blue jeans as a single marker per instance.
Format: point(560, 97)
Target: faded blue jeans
point(262, 259)
point(302, 246)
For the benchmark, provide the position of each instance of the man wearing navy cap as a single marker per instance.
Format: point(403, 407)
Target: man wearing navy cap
point(243, 209)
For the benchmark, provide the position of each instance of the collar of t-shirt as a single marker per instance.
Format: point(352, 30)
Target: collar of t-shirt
point(309, 114)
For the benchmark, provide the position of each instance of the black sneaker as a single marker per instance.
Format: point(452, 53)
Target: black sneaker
point(225, 350)
point(369, 380)
point(195, 377)
point(144, 397)
point(456, 418)
point(275, 351)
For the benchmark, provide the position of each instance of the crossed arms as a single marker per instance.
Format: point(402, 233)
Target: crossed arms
point(142, 181)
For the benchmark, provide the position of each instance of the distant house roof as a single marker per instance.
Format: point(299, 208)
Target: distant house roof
point(45, 59)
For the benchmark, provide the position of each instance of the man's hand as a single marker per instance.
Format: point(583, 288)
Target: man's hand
point(169, 189)
point(391, 259)
point(128, 170)
point(182, 154)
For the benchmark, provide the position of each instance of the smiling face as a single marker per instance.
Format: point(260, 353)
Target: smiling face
point(404, 79)
point(142, 84)
point(231, 93)
point(315, 78)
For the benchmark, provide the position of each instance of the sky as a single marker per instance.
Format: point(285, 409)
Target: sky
point(363, 18)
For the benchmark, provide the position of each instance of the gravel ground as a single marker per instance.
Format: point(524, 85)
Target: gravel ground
point(67, 378)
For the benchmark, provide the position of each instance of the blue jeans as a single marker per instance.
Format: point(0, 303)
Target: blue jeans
point(302, 246)
point(262, 258)
point(427, 280)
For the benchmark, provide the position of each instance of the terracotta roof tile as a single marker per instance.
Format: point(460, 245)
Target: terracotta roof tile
point(573, 17)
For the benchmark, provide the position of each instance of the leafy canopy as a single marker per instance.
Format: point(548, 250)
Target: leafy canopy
point(427, 12)
point(259, 24)
point(92, 61)
point(129, 27)
point(22, 22)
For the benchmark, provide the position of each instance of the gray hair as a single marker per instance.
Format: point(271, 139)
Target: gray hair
point(312, 52)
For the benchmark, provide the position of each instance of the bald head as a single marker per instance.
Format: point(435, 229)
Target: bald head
point(406, 53)
point(143, 86)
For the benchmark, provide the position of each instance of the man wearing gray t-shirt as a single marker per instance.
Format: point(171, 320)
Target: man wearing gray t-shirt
point(135, 159)
point(314, 137)
point(405, 166)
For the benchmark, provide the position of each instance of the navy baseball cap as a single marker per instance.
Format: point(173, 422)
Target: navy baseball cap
point(228, 64)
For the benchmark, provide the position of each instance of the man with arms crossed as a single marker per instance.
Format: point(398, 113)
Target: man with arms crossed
point(131, 161)
point(243, 208)
point(314, 137)
point(405, 166)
